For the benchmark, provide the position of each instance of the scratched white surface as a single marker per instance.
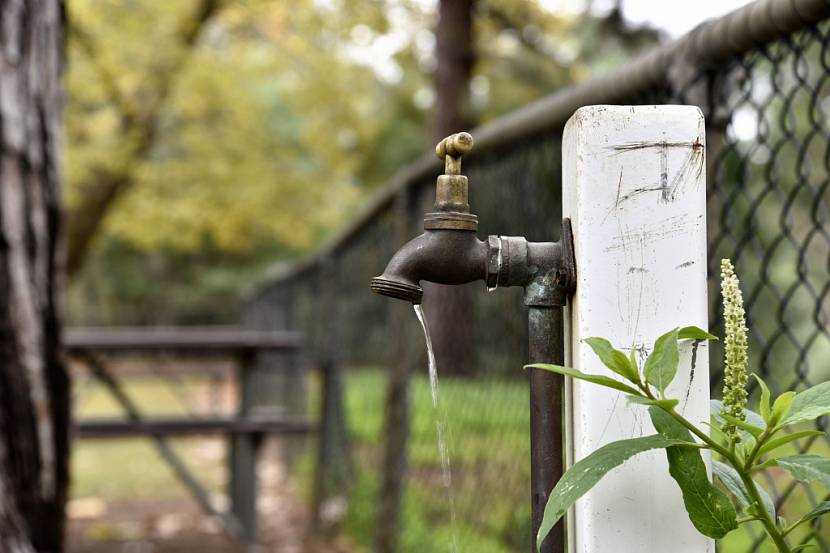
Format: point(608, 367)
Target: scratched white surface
point(634, 187)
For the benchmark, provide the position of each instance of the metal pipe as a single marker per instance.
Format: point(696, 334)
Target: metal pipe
point(547, 462)
point(450, 253)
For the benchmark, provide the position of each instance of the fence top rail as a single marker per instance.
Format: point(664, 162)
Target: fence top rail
point(709, 44)
point(178, 339)
point(118, 428)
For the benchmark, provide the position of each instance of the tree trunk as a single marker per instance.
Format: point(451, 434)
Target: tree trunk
point(448, 308)
point(34, 391)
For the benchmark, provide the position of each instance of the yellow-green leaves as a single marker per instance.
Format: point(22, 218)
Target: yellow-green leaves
point(781, 407)
point(661, 366)
point(588, 471)
point(710, 510)
point(809, 404)
point(774, 444)
point(820, 509)
point(593, 378)
point(665, 404)
point(694, 333)
point(613, 358)
point(764, 401)
point(807, 468)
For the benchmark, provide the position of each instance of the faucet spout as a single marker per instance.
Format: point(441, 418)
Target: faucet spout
point(440, 256)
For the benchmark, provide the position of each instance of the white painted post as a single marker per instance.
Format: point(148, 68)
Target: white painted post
point(634, 188)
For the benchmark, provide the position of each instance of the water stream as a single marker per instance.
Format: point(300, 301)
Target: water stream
point(440, 428)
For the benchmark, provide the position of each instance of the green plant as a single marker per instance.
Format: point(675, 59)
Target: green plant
point(744, 441)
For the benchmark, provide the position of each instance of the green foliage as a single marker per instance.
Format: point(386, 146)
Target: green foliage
point(741, 453)
point(593, 378)
point(809, 404)
point(261, 137)
point(613, 358)
point(585, 473)
point(709, 509)
point(807, 468)
point(774, 444)
point(661, 366)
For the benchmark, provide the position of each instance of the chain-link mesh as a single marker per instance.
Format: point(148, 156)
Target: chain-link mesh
point(768, 117)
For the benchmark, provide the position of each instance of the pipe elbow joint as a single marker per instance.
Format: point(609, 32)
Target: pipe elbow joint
point(440, 256)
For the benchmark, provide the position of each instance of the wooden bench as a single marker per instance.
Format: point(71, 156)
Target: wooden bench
point(245, 430)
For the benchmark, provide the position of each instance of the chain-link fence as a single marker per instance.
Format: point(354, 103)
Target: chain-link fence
point(762, 77)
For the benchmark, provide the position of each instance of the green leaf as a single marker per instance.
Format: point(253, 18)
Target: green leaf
point(753, 418)
point(632, 358)
point(588, 471)
point(781, 407)
point(820, 509)
point(735, 485)
point(784, 440)
point(807, 468)
point(802, 547)
point(809, 404)
point(667, 404)
point(764, 400)
point(661, 366)
point(613, 358)
point(694, 333)
point(755, 431)
point(710, 510)
point(594, 378)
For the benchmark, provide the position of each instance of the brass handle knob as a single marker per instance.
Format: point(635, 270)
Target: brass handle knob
point(451, 149)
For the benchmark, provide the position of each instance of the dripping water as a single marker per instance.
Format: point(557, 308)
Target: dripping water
point(440, 427)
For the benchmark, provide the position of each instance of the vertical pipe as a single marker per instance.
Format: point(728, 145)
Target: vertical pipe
point(545, 331)
point(397, 407)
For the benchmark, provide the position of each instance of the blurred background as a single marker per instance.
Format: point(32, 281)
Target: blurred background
point(218, 154)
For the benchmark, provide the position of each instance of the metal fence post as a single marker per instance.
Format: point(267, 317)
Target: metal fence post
point(396, 410)
point(333, 465)
point(244, 449)
point(634, 187)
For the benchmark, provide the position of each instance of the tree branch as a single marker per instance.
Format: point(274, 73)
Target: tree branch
point(138, 133)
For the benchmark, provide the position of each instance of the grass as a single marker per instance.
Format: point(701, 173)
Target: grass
point(125, 469)
point(487, 428)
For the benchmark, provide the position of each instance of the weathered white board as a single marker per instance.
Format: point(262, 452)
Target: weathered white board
point(634, 187)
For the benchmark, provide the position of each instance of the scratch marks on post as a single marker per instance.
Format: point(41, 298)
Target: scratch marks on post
point(656, 231)
point(689, 170)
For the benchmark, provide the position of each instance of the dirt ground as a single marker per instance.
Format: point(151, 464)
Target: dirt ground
point(178, 526)
point(100, 525)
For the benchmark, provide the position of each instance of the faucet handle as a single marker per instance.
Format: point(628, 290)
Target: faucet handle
point(451, 149)
point(452, 207)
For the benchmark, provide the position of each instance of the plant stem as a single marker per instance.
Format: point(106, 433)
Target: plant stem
point(769, 525)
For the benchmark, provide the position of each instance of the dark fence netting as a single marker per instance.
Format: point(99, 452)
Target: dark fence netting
point(762, 78)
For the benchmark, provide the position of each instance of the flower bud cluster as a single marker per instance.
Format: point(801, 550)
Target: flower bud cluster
point(735, 348)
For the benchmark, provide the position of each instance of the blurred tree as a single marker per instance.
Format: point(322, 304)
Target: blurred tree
point(135, 119)
point(34, 388)
point(448, 307)
point(252, 129)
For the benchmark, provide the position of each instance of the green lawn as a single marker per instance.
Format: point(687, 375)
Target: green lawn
point(123, 469)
